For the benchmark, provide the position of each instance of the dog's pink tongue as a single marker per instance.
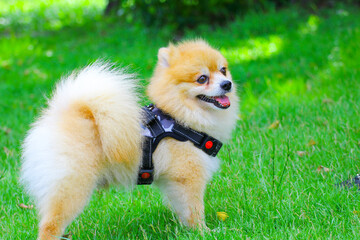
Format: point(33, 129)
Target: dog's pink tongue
point(223, 100)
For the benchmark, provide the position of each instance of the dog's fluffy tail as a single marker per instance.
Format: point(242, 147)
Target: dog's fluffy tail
point(92, 119)
point(107, 96)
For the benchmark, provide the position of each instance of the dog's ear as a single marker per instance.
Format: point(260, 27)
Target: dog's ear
point(163, 57)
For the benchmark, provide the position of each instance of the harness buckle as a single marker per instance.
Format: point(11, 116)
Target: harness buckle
point(210, 145)
point(150, 106)
point(145, 176)
point(149, 116)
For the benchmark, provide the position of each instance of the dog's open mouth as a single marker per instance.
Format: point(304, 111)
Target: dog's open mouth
point(218, 101)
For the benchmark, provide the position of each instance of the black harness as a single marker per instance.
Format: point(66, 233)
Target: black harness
point(158, 125)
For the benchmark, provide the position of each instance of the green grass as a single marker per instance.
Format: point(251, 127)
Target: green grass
point(299, 68)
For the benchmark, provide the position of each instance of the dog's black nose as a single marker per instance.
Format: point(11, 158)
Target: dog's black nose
point(226, 85)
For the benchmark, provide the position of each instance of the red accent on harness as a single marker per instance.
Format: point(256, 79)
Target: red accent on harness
point(145, 175)
point(209, 144)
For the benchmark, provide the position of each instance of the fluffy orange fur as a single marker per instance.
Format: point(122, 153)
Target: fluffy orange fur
point(90, 136)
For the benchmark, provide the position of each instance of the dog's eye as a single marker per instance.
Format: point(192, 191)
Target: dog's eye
point(202, 79)
point(223, 71)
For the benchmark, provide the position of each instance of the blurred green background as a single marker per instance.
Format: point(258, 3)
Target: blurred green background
point(297, 69)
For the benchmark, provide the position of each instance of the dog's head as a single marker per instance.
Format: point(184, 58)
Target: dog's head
point(192, 83)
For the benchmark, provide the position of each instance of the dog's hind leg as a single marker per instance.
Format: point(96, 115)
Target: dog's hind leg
point(76, 166)
point(67, 201)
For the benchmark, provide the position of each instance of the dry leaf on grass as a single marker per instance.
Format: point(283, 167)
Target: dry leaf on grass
point(6, 65)
point(25, 206)
point(301, 153)
point(274, 125)
point(311, 142)
point(327, 100)
point(322, 169)
point(6, 130)
point(222, 216)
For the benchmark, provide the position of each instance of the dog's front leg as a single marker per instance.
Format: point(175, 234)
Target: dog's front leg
point(186, 198)
point(184, 183)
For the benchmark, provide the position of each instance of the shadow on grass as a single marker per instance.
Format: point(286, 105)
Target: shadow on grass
point(139, 214)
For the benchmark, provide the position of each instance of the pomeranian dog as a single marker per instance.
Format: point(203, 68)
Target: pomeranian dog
point(90, 134)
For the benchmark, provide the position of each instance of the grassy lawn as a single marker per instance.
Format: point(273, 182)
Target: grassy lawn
point(298, 76)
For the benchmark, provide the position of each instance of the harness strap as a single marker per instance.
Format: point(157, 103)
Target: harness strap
point(146, 172)
point(208, 144)
point(151, 121)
